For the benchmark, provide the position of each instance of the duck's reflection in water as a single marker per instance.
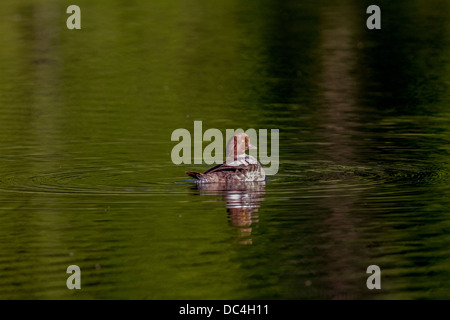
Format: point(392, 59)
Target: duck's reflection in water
point(242, 202)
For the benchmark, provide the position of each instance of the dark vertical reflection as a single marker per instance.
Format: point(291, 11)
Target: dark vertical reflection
point(338, 109)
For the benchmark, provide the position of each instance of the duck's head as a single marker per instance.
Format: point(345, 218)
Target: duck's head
point(238, 144)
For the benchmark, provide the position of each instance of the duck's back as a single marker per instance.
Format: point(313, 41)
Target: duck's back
point(245, 168)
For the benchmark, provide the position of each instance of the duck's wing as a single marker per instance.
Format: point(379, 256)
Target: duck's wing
point(225, 167)
point(219, 167)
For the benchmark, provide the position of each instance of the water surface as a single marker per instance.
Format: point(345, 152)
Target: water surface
point(85, 171)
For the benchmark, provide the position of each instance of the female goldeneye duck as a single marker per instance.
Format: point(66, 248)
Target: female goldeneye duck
point(238, 167)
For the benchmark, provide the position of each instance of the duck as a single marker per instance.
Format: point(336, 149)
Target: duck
point(239, 166)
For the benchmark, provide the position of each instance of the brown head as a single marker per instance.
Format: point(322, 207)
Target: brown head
point(238, 144)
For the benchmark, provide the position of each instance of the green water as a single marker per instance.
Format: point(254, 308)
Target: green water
point(86, 176)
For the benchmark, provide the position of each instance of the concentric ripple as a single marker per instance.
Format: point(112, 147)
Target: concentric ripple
point(118, 179)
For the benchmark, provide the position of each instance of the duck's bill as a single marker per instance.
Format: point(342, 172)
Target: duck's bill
point(250, 146)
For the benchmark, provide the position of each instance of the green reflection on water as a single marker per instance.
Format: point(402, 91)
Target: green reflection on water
point(86, 178)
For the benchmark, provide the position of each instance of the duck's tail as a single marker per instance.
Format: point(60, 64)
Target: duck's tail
point(195, 175)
